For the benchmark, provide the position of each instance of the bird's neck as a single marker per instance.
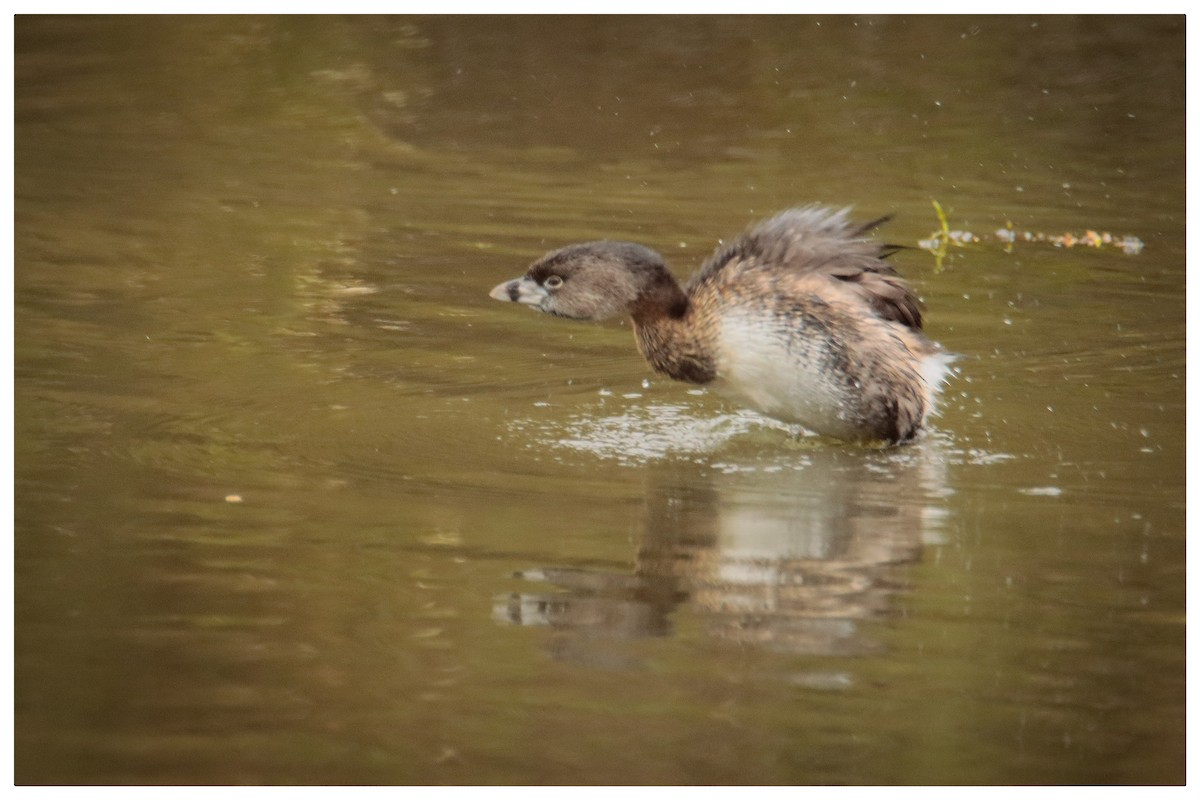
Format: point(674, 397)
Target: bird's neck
point(669, 333)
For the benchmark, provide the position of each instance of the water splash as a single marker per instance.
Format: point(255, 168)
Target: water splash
point(639, 434)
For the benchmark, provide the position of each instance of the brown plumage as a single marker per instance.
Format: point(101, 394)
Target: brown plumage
point(800, 318)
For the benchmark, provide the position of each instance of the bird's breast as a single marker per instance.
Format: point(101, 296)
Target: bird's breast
point(788, 371)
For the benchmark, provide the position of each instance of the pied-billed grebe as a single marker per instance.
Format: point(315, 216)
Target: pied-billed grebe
point(799, 318)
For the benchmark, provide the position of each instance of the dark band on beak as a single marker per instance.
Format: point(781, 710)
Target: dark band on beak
point(521, 290)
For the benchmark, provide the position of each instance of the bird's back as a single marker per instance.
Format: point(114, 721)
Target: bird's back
point(818, 250)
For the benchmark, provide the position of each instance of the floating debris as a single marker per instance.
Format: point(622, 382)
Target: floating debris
point(940, 241)
point(953, 237)
point(1130, 245)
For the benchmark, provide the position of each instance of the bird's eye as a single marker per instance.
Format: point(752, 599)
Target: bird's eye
point(553, 282)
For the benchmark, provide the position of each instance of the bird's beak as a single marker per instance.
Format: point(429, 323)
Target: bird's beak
point(521, 290)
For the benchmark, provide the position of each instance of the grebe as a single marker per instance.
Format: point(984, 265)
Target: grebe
point(799, 318)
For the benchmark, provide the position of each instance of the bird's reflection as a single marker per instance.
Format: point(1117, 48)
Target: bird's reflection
point(793, 559)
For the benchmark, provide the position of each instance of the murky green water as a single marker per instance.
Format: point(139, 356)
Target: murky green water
point(475, 545)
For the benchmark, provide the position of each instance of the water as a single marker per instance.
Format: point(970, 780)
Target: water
point(296, 502)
